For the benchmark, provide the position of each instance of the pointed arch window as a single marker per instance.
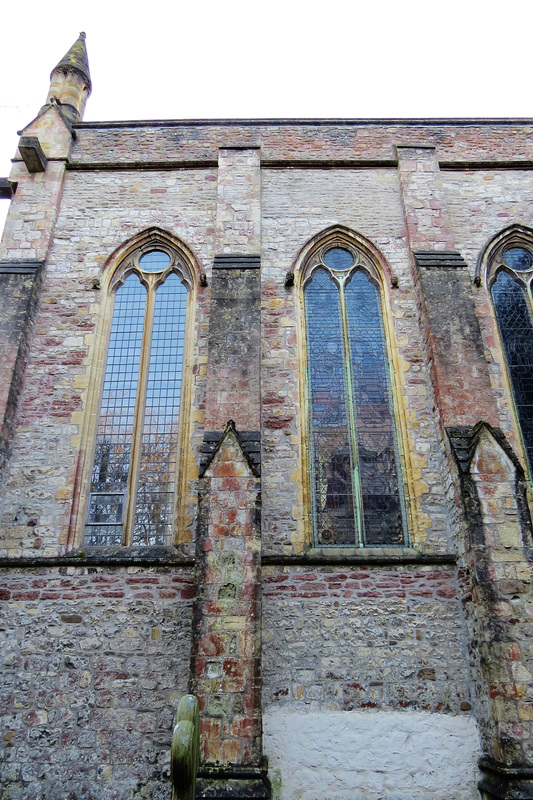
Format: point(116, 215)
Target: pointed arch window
point(354, 458)
point(133, 480)
point(511, 284)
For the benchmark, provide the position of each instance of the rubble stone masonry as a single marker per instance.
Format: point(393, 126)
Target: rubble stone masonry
point(385, 673)
point(93, 663)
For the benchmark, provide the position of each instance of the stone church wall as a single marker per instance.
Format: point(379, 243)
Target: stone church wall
point(298, 205)
point(482, 204)
point(98, 214)
point(345, 652)
point(111, 143)
point(374, 681)
point(94, 661)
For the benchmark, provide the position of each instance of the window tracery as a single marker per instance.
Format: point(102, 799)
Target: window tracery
point(510, 280)
point(355, 465)
point(133, 480)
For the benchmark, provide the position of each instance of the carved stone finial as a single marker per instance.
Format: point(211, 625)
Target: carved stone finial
point(76, 59)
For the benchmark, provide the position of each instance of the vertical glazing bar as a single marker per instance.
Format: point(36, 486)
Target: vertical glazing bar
point(133, 480)
point(158, 460)
point(352, 424)
point(112, 460)
point(331, 451)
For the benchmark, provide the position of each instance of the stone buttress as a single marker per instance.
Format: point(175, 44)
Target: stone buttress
point(494, 550)
point(226, 647)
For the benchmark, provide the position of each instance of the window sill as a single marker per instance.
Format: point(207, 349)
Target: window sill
point(106, 557)
point(367, 555)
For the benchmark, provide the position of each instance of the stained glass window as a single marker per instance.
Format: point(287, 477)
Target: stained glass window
point(512, 301)
point(354, 463)
point(134, 470)
point(518, 258)
point(153, 509)
point(338, 258)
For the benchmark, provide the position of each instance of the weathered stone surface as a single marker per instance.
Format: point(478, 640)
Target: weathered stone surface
point(32, 154)
point(285, 140)
point(94, 662)
point(20, 282)
point(363, 638)
point(463, 379)
point(234, 348)
point(378, 667)
point(226, 652)
point(497, 591)
point(185, 750)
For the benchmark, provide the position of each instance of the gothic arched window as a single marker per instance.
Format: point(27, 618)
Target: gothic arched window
point(133, 477)
point(510, 281)
point(355, 465)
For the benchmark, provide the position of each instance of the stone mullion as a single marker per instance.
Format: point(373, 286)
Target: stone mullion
point(351, 415)
point(138, 417)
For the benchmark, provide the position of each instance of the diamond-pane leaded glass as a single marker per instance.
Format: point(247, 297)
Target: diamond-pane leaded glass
point(378, 469)
point(518, 258)
point(115, 428)
point(332, 463)
point(516, 330)
point(154, 261)
point(153, 511)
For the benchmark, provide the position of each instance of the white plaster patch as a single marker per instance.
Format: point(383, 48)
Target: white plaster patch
point(371, 755)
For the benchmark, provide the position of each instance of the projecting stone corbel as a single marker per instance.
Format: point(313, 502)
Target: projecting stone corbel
point(7, 189)
point(32, 154)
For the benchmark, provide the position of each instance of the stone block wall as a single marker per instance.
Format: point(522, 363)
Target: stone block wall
point(482, 204)
point(298, 205)
point(94, 220)
point(107, 144)
point(345, 652)
point(364, 637)
point(20, 288)
point(94, 660)
point(364, 653)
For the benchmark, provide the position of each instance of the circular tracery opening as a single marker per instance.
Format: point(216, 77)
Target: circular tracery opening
point(518, 258)
point(154, 261)
point(338, 258)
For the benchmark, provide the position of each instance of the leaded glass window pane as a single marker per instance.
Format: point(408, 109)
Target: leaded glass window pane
point(376, 440)
point(153, 513)
point(331, 456)
point(518, 258)
point(355, 461)
point(514, 320)
point(338, 258)
point(134, 472)
point(154, 261)
point(115, 428)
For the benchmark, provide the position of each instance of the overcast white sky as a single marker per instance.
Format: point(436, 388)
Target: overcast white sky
point(280, 58)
